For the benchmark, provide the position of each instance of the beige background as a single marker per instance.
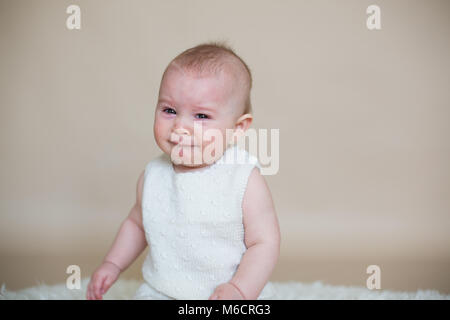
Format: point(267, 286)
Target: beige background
point(363, 116)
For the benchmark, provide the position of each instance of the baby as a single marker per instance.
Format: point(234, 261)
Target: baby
point(210, 221)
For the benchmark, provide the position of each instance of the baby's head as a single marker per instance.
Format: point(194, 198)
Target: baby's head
point(207, 88)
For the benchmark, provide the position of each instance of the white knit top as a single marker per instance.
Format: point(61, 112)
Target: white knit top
point(193, 224)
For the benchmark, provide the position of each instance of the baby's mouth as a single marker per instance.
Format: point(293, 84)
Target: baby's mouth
point(182, 149)
point(183, 145)
point(186, 147)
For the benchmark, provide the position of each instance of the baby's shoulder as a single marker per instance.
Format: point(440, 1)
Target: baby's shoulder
point(157, 162)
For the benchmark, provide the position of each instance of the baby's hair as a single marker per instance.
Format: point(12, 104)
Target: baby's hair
point(212, 58)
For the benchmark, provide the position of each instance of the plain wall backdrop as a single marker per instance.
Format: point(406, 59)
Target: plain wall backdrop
point(363, 116)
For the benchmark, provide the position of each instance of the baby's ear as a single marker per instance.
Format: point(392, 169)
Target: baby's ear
point(241, 125)
point(244, 122)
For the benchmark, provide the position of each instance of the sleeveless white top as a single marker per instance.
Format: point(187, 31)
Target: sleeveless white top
point(193, 224)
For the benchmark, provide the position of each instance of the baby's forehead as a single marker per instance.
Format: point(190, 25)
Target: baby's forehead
point(218, 85)
point(227, 68)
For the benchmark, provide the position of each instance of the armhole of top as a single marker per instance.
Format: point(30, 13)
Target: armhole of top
point(146, 172)
point(143, 197)
point(145, 186)
point(244, 179)
point(156, 162)
point(255, 162)
point(147, 169)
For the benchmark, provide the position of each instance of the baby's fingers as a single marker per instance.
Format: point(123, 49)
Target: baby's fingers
point(214, 296)
point(98, 284)
point(89, 291)
point(107, 284)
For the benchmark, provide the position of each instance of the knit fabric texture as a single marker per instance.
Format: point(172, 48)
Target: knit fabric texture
point(193, 224)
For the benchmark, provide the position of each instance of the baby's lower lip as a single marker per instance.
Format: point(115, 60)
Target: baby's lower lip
point(182, 145)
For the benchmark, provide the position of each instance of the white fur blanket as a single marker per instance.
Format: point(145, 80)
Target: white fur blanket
point(124, 289)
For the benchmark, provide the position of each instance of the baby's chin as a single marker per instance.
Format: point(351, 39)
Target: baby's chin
point(191, 165)
point(193, 159)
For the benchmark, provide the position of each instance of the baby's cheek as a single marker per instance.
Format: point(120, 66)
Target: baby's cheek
point(214, 135)
point(160, 128)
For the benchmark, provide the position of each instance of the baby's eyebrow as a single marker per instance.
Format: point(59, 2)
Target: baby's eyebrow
point(204, 108)
point(196, 108)
point(163, 100)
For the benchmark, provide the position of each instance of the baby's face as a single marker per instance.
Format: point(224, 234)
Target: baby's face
point(187, 101)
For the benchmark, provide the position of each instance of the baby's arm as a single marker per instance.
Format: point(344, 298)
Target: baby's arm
point(128, 245)
point(262, 239)
point(130, 240)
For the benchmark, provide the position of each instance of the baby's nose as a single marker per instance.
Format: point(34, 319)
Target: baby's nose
point(181, 131)
point(180, 135)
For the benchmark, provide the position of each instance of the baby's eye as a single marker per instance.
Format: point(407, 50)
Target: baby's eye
point(202, 116)
point(169, 110)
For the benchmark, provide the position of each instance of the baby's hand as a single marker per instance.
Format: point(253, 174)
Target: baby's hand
point(226, 291)
point(102, 279)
